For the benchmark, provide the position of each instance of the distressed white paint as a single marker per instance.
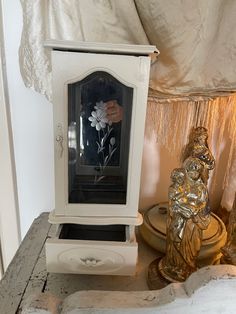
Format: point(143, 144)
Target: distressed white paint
point(14, 284)
point(41, 304)
point(209, 290)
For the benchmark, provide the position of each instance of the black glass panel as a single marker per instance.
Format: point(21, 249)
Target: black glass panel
point(99, 121)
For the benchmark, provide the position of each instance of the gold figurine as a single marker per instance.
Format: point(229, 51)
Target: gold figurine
point(188, 213)
point(187, 218)
point(198, 147)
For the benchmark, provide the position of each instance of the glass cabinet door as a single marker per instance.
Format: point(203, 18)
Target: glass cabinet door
point(99, 122)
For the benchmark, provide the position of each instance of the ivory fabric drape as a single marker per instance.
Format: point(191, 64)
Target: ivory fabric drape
point(197, 44)
point(196, 39)
point(78, 20)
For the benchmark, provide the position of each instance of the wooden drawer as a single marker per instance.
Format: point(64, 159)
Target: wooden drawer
point(91, 256)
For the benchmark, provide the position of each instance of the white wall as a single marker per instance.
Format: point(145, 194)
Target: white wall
point(9, 237)
point(32, 128)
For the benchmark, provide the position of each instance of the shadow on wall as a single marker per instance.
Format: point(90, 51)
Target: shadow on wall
point(157, 164)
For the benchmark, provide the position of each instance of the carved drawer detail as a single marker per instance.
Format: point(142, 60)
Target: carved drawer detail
point(91, 259)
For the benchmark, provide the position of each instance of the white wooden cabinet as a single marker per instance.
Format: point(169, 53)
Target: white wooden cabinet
point(99, 97)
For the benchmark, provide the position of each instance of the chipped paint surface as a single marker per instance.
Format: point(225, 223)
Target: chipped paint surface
point(27, 288)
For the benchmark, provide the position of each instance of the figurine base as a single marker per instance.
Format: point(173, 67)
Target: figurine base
point(155, 279)
point(167, 276)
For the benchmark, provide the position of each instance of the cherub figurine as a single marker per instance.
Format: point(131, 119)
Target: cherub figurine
point(187, 218)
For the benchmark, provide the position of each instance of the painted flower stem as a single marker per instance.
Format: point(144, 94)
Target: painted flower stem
point(99, 120)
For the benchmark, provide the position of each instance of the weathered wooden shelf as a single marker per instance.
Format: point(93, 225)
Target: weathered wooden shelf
point(27, 288)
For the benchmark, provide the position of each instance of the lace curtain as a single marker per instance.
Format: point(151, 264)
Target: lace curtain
point(198, 56)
